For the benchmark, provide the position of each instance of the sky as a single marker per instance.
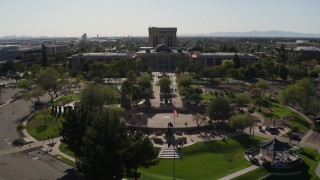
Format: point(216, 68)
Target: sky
point(72, 18)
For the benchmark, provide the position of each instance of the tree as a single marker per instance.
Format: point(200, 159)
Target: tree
point(140, 154)
point(142, 65)
point(219, 108)
point(184, 80)
point(92, 95)
point(97, 69)
point(304, 93)
point(262, 84)
point(241, 121)
point(103, 147)
point(24, 84)
point(74, 127)
point(49, 79)
point(44, 56)
point(145, 81)
point(242, 100)
point(297, 72)
point(255, 93)
point(283, 72)
point(314, 74)
point(282, 54)
point(164, 83)
point(227, 65)
point(34, 93)
point(19, 128)
point(236, 61)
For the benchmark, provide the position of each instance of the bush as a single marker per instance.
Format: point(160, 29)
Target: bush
point(266, 164)
point(251, 110)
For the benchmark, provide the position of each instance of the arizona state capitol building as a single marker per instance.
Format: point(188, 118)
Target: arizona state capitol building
point(162, 55)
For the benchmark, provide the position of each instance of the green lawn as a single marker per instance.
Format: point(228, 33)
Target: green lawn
point(207, 96)
point(63, 149)
point(72, 163)
point(37, 128)
point(280, 111)
point(255, 174)
point(310, 156)
point(204, 160)
point(66, 99)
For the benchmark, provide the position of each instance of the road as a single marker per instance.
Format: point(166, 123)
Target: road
point(31, 166)
point(24, 165)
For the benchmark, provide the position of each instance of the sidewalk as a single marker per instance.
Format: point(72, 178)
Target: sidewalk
point(46, 146)
point(239, 173)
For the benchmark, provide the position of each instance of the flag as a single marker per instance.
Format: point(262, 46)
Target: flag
point(175, 113)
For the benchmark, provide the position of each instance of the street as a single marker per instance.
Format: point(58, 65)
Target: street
point(24, 165)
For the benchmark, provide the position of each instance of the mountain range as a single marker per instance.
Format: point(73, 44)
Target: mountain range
point(271, 33)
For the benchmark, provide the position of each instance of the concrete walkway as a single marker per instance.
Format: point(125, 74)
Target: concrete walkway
point(49, 146)
point(239, 173)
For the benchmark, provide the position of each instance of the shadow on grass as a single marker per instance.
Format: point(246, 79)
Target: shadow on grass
point(215, 146)
point(246, 141)
point(310, 156)
point(41, 128)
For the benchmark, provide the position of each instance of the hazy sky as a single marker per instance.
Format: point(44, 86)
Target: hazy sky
point(133, 17)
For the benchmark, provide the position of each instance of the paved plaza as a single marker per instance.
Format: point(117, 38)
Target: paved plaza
point(162, 120)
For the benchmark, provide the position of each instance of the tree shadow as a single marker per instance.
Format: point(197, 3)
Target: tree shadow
point(70, 174)
point(310, 156)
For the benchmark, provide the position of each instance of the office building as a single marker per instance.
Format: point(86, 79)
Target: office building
point(167, 36)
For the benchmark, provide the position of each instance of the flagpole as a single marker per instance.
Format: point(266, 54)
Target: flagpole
point(174, 145)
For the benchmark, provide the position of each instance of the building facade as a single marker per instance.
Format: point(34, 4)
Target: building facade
point(215, 59)
point(303, 53)
point(162, 58)
point(84, 38)
point(167, 36)
point(77, 60)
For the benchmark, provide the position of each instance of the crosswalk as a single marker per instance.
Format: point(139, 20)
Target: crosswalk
point(170, 152)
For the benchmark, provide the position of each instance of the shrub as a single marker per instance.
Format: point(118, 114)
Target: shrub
point(266, 164)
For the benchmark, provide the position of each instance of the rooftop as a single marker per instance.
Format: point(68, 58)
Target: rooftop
point(101, 55)
point(223, 54)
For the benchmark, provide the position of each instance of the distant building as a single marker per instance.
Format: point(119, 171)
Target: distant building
point(17, 52)
point(303, 53)
point(301, 50)
point(297, 43)
point(167, 36)
point(84, 38)
point(53, 49)
point(77, 60)
point(215, 59)
point(162, 58)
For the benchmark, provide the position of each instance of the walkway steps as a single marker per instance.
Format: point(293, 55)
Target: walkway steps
point(169, 153)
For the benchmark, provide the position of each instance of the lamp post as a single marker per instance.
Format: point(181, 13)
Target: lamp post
point(174, 143)
point(1, 94)
point(13, 108)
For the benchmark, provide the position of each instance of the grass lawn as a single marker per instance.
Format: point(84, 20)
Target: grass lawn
point(280, 111)
point(63, 149)
point(207, 96)
point(204, 160)
point(39, 131)
point(311, 158)
point(66, 99)
point(72, 163)
point(255, 174)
